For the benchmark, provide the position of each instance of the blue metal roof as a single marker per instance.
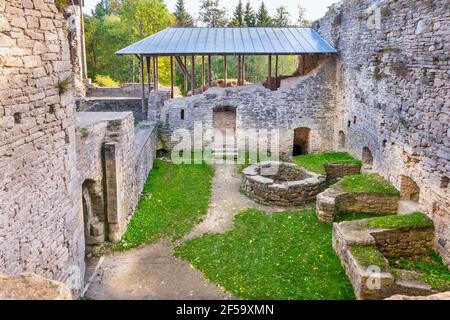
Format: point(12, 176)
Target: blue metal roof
point(230, 41)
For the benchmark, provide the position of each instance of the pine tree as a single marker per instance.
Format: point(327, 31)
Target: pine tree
point(262, 17)
point(281, 18)
point(183, 18)
point(249, 15)
point(211, 14)
point(238, 15)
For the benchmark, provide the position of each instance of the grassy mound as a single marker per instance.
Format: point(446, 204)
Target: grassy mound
point(316, 162)
point(362, 183)
point(407, 221)
point(286, 255)
point(174, 200)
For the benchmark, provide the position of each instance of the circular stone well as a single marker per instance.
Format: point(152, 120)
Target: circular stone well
point(281, 183)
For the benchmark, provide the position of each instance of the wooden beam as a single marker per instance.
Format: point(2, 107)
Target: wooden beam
point(171, 77)
point(276, 71)
point(225, 71)
point(209, 71)
point(193, 75)
point(149, 79)
point(203, 74)
point(154, 73)
point(269, 81)
point(243, 69)
point(239, 70)
point(144, 112)
point(157, 74)
point(185, 76)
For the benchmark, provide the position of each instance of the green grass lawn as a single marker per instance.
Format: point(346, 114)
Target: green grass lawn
point(349, 216)
point(365, 182)
point(407, 221)
point(432, 270)
point(369, 255)
point(316, 162)
point(284, 256)
point(174, 200)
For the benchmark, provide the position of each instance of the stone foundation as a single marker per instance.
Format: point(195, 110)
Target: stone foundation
point(406, 242)
point(340, 170)
point(279, 183)
point(333, 201)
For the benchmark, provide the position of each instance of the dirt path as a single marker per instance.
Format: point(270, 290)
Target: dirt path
point(152, 272)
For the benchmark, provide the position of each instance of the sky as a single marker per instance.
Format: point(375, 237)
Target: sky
point(315, 9)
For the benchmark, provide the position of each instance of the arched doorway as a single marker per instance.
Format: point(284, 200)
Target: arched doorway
point(224, 122)
point(341, 139)
point(409, 190)
point(367, 157)
point(301, 141)
point(93, 214)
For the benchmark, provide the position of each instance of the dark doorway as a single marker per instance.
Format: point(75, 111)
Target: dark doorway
point(301, 141)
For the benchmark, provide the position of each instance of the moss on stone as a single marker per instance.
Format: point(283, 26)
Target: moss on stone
point(409, 221)
point(367, 183)
point(369, 255)
point(316, 162)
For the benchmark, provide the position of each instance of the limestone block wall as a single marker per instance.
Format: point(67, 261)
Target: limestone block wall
point(114, 160)
point(41, 229)
point(393, 93)
point(112, 104)
point(305, 101)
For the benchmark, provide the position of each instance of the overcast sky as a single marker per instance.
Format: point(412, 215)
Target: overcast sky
point(314, 8)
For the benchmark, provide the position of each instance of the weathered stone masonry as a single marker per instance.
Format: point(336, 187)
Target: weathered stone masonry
point(393, 93)
point(41, 228)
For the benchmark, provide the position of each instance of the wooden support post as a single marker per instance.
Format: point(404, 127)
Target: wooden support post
point(154, 73)
point(171, 77)
point(225, 71)
point(193, 75)
point(144, 109)
point(269, 80)
point(185, 77)
point(157, 74)
point(147, 58)
point(203, 74)
point(239, 71)
point(243, 70)
point(209, 71)
point(276, 71)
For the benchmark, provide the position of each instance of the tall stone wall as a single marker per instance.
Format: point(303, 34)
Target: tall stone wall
point(393, 93)
point(41, 228)
point(305, 101)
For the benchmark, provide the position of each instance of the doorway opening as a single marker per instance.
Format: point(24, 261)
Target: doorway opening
point(301, 141)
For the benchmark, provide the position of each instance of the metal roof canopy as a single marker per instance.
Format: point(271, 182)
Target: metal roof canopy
point(175, 41)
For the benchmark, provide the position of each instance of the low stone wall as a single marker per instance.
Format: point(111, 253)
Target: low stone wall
point(376, 282)
point(397, 243)
point(333, 201)
point(437, 296)
point(114, 160)
point(111, 104)
point(126, 90)
point(296, 187)
point(340, 170)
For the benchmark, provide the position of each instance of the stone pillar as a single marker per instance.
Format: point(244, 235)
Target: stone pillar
point(112, 191)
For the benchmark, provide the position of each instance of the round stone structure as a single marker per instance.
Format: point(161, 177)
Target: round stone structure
point(281, 183)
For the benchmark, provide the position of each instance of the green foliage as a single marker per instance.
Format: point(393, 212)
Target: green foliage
point(182, 17)
point(262, 16)
point(369, 255)
point(301, 18)
point(105, 81)
point(365, 182)
point(349, 216)
point(175, 198)
point(281, 18)
point(430, 268)
point(212, 14)
point(285, 255)
point(407, 221)
point(84, 132)
point(249, 15)
point(316, 162)
point(238, 15)
point(63, 85)
point(61, 5)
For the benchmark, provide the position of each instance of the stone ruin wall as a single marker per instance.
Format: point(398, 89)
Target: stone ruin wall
point(40, 198)
point(114, 160)
point(393, 94)
point(305, 101)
